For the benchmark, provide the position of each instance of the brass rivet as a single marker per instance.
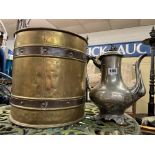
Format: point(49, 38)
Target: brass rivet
point(45, 50)
point(44, 105)
point(71, 54)
point(17, 52)
point(21, 51)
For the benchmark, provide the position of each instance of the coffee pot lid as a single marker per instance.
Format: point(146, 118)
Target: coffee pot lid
point(112, 51)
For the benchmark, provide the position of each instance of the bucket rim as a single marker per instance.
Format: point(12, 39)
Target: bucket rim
point(52, 29)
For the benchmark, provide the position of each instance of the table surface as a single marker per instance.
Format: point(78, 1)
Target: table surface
point(88, 126)
point(145, 129)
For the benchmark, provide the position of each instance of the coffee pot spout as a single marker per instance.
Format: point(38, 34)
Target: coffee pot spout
point(138, 90)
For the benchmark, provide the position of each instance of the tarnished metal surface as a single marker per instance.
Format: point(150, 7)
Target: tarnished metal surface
point(88, 126)
point(48, 78)
point(49, 52)
point(47, 104)
point(111, 95)
point(50, 37)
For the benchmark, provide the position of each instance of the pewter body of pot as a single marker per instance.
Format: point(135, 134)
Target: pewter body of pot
point(111, 95)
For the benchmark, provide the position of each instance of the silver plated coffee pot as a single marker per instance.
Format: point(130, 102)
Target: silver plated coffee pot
point(111, 95)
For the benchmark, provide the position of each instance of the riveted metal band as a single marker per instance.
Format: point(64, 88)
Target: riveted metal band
point(49, 51)
point(47, 104)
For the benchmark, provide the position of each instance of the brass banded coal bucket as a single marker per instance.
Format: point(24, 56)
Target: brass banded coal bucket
point(48, 87)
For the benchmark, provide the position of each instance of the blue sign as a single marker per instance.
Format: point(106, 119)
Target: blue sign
point(128, 49)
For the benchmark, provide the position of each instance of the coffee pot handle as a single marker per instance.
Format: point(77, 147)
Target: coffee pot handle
point(96, 64)
point(94, 61)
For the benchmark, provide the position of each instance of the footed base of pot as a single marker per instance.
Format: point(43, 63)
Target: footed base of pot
point(119, 119)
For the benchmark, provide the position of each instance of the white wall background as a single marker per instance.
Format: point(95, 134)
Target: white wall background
point(119, 35)
point(10, 44)
point(112, 36)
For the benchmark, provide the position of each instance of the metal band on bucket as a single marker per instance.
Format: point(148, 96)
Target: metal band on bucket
point(47, 104)
point(49, 51)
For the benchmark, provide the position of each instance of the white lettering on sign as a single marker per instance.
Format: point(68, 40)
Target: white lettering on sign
point(103, 50)
point(93, 51)
point(89, 51)
point(129, 49)
point(138, 49)
point(121, 49)
point(130, 52)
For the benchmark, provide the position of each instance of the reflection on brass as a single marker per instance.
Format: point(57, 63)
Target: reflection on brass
point(48, 78)
point(44, 77)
